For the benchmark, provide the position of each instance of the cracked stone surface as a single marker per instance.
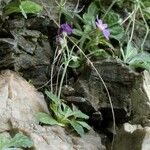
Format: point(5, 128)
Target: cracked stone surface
point(19, 104)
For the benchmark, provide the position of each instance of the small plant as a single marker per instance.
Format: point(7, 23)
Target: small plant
point(64, 115)
point(134, 58)
point(18, 141)
point(94, 38)
point(22, 6)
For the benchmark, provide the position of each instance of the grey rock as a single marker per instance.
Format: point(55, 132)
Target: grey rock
point(125, 87)
point(20, 102)
point(26, 50)
point(17, 106)
point(132, 137)
point(141, 100)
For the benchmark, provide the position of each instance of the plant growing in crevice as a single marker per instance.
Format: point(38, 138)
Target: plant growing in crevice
point(64, 115)
point(94, 43)
point(18, 141)
point(22, 6)
point(135, 59)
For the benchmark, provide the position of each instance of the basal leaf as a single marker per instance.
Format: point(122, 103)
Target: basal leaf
point(89, 17)
point(130, 52)
point(46, 119)
point(99, 53)
point(77, 32)
point(53, 97)
point(23, 12)
point(75, 62)
point(141, 60)
point(25, 7)
point(116, 32)
point(12, 7)
point(21, 140)
point(4, 142)
point(84, 124)
point(141, 57)
point(31, 7)
point(78, 114)
point(92, 9)
point(111, 18)
point(141, 65)
point(18, 141)
point(77, 127)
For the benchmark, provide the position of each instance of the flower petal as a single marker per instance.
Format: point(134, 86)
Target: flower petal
point(66, 28)
point(106, 33)
point(102, 27)
point(105, 26)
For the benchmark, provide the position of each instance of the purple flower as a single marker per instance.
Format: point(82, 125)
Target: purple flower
point(103, 28)
point(65, 27)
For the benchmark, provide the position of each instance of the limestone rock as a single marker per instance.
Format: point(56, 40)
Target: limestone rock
point(132, 137)
point(56, 138)
point(140, 97)
point(20, 102)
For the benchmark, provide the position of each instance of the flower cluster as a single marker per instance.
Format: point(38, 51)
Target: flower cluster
point(67, 29)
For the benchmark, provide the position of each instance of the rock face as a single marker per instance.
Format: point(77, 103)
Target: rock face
point(141, 100)
point(19, 104)
point(132, 137)
point(24, 50)
point(129, 98)
point(25, 44)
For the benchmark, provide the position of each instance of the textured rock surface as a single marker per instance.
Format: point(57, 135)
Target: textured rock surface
point(129, 98)
point(141, 100)
point(132, 137)
point(24, 50)
point(25, 43)
point(19, 104)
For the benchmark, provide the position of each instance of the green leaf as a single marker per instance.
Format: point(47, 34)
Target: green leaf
point(141, 65)
point(30, 7)
point(24, 7)
point(12, 7)
point(141, 57)
point(116, 32)
point(4, 142)
point(18, 141)
point(53, 97)
point(75, 62)
point(141, 60)
point(78, 114)
point(77, 127)
point(23, 12)
point(99, 53)
point(21, 140)
point(46, 119)
point(77, 32)
point(92, 9)
point(64, 109)
point(89, 17)
point(147, 9)
point(111, 18)
point(130, 52)
point(84, 124)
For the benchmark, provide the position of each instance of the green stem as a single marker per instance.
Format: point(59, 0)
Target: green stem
point(112, 4)
point(147, 29)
